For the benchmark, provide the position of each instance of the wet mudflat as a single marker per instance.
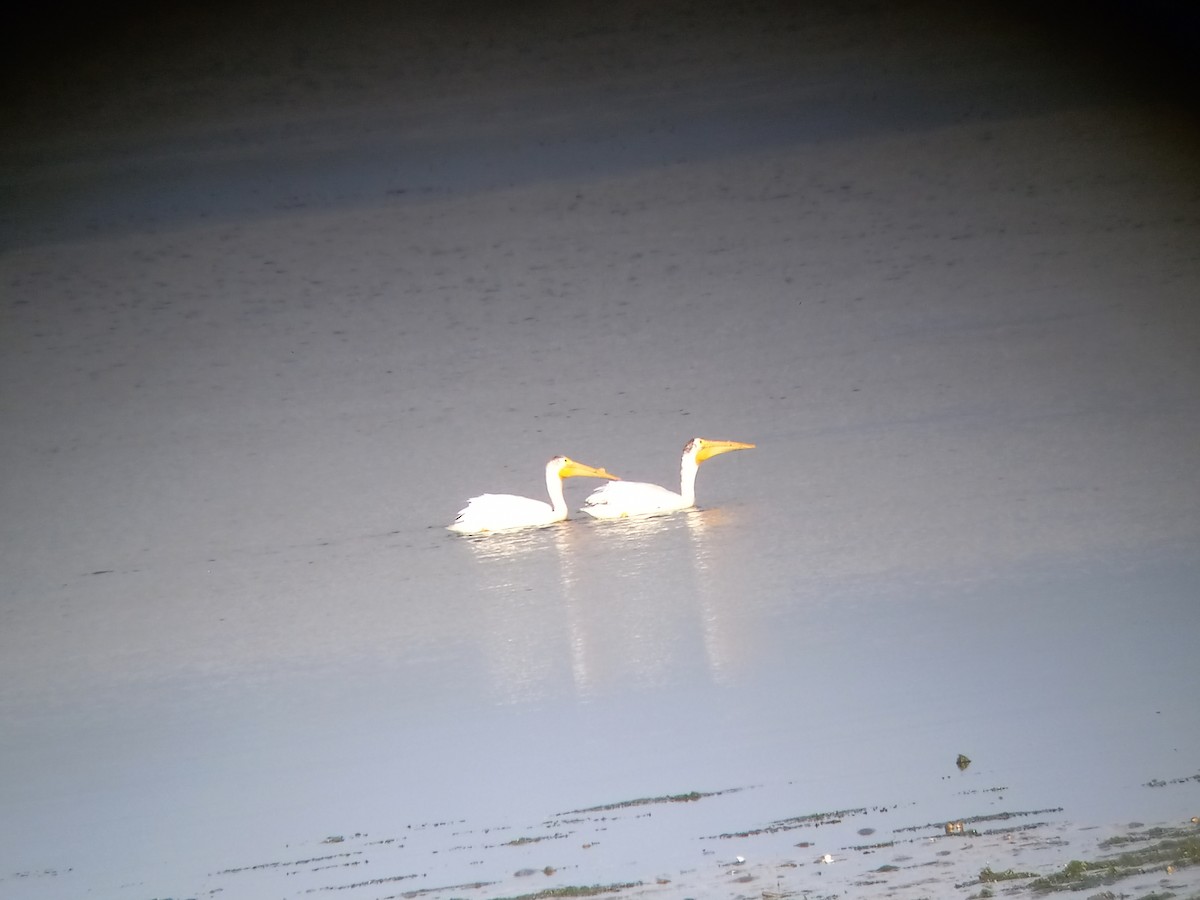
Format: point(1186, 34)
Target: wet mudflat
point(618, 850)
point(279, 298)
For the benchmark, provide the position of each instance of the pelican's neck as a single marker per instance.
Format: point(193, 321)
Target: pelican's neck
point(687, 479)
point(554, 487)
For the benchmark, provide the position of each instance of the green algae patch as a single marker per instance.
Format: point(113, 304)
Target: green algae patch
point(987, 875)
point(1157, 833)
point(1178, 850)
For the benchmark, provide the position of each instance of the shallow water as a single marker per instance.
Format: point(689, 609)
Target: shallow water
point(234, 627)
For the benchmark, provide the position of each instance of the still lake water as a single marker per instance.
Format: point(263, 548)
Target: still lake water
point(965, 343)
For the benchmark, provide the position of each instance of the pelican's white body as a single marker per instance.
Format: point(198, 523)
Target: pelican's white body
point(636, 498)
point(624, 499)
point(504, 512)
point(508, 512)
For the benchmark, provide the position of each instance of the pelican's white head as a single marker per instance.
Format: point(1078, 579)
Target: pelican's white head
point(565, 467)
point(701, 449)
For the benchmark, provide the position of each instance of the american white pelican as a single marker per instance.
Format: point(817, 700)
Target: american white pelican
point(635, 498)
point(506, 512)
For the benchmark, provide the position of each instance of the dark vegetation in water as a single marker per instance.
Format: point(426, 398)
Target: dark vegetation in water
point(810, 820)
point(594, 890)
point(291, 863)
point(1159, 782)
point(521, 841)
point(470, 886)
point(691, 797)
point(959, 826)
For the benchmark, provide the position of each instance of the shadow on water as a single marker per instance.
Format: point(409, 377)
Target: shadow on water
point(345, 151)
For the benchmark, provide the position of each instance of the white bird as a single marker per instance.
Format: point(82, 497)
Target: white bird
point(507, 512)
point(634, 498)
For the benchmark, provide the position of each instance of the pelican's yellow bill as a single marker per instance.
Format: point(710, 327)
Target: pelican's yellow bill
point(572, 469)
point(709, 449)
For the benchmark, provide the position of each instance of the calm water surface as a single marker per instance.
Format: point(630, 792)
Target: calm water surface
point(963, 337)
point(465, 686)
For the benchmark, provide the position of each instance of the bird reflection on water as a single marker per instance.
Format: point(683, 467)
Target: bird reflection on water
point(636, 602)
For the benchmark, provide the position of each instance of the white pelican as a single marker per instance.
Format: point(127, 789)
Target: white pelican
point(635, 498)
point(506, 512)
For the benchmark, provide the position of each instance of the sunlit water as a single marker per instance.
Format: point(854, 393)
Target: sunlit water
point(233, 625)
